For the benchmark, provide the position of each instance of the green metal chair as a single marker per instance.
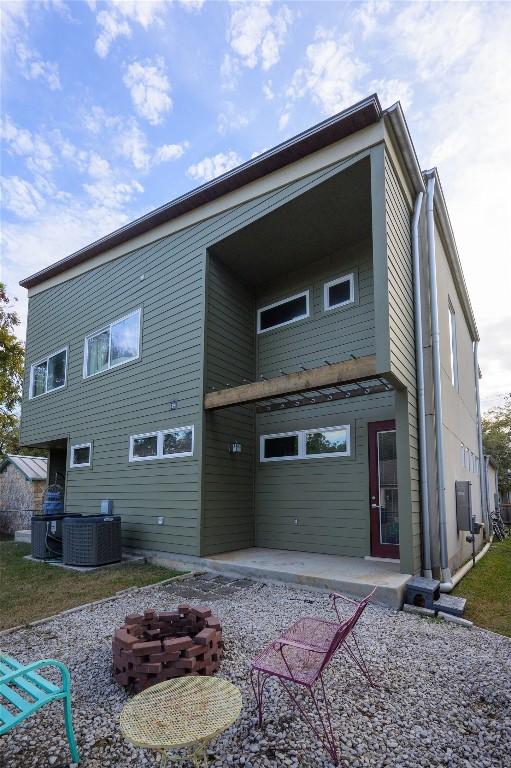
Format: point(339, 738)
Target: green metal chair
point(18, 682)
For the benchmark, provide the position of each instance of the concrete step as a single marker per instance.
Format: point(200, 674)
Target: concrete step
point(347, 575)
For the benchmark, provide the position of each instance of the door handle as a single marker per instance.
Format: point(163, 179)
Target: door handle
point(376, 506)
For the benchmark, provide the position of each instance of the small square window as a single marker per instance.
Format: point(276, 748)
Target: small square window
point(280, 446)
point(81, 455)
point(178, 442)
point(144, 446)
point(339, 292)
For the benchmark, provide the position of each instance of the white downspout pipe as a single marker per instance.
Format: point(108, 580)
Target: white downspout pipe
point(485, 507)
point(423, 459)
point(435, 343)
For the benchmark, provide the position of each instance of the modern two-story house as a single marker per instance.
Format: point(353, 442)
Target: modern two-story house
point(285, 357)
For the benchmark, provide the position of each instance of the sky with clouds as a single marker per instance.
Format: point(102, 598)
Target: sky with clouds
point(111, 108)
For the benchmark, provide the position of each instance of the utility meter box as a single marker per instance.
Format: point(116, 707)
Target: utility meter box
point(463, 505)
point(107, 506)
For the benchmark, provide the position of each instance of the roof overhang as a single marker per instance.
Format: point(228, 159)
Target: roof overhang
point(357, 117)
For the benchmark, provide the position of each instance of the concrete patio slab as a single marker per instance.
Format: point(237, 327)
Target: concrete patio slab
point(348, 575)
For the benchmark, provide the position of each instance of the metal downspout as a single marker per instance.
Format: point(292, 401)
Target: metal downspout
point(485, 507)
point(435, 342)
point(423, 459)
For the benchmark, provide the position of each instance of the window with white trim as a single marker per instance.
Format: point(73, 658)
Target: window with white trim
point(165, 444)
point(81, 455)
point(283, 312)
point(306, 444)
point(453, 348)
point(49, 374)
point(339, 292)
point(114, 345)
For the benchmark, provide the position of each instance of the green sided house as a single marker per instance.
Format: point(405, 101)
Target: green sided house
point(282, 359)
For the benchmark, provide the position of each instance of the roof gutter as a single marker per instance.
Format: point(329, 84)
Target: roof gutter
point(357, 117)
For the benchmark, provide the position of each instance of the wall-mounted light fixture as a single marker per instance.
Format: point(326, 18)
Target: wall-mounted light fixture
point(235, 447)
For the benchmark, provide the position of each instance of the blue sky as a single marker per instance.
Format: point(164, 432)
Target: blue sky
point(110, 109)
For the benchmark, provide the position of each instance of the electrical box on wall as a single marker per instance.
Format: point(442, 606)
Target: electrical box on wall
point(463, 505)
point(107, 506)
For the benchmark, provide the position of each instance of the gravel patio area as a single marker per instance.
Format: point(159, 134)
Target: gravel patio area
point(445, 697)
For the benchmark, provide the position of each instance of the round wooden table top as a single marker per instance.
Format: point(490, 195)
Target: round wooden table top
point(181, 712)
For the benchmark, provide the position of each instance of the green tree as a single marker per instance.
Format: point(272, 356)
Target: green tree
point(497, 440)
point(12, 355)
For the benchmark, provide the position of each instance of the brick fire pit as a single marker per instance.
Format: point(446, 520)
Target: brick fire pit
point(159, 645)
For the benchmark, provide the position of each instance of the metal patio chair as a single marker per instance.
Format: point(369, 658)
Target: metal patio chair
point(23, 691)
point(300, 656)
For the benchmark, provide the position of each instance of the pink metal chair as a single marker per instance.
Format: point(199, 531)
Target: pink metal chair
point(301, 654)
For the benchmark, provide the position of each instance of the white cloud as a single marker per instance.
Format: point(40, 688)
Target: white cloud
point(367, 15)
point(256, 35)
point(170, 152)
point(210, 167)
point(111, 194)
point(131, 143)
point(99, 168)
point(20, 197)
point(448, 32)
point(33, 67)
point(268, 91)
point(232, 119)
point(36, 151)
point(330, 75)
point(149, 88)
point(283, 120)
point(116, 18)
point(390, 91)
point(112, 26)
point(229, 72)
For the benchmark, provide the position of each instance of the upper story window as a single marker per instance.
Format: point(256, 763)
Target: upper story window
point(283, 312)
point(339, 292)
point(114, 345)
point(453, 347)
point(49, 374)
point(164, 444)
point(306, 444)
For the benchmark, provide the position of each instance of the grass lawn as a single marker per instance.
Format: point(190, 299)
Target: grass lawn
point(487, 588)
point(31, 591)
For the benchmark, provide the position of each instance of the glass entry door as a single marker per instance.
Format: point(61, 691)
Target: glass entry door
point(383, 490)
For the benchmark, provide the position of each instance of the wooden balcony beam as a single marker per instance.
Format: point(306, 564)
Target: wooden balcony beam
point(347, 372)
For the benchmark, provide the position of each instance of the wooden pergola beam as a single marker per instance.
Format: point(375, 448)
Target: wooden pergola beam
point(347, 372)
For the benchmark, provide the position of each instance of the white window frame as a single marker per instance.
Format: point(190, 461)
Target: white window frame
point(302, 444)
point(342, 279)
point(71, 456)
point(46, 360)
point(277, 304)
point(183, 453)
point(108, 328)
point(453, 347)
point(159, 444)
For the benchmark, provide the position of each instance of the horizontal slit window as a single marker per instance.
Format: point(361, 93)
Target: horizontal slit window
point(339, 292)
point(49, 374)
point(283, 312)
point(164, 444)
point(81, 455)
point(112, 346)
point(306, 444)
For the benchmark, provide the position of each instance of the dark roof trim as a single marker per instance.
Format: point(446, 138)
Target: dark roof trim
point(357, 117)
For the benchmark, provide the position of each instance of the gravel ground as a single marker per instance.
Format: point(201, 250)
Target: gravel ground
point(445, 697)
